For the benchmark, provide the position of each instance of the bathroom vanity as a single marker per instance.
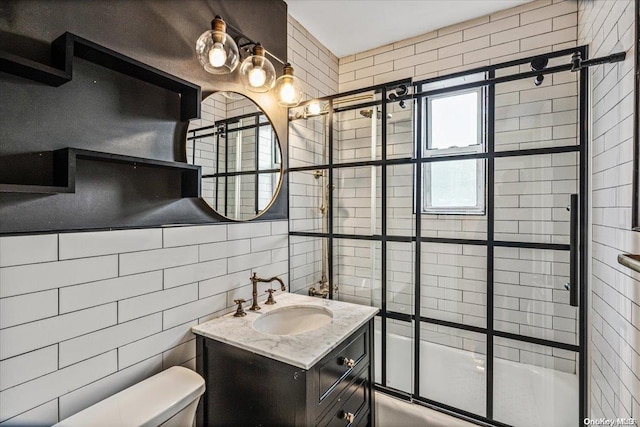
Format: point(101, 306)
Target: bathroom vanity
point(276, 367)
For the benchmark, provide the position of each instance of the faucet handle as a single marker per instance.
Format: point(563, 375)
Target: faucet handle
point(240, 311)
point(270, 300)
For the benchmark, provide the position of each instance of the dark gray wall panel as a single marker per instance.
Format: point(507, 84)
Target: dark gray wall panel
point(104, 110)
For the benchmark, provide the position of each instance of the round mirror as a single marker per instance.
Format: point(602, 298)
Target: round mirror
point(239, 153)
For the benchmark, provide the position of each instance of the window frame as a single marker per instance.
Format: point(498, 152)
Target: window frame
point(480, 207)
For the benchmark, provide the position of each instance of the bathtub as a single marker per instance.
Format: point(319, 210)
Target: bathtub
point(525, 395)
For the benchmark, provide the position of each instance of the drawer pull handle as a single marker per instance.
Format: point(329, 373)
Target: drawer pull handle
point(348, 416)
point(346, 361)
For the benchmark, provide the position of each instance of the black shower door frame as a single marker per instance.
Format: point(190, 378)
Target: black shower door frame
point(490, 243)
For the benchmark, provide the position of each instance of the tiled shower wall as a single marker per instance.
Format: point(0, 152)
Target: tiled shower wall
point(84, 315)
point(318, 69)
point(608, 27)
point(531, 193)
point(534, 27)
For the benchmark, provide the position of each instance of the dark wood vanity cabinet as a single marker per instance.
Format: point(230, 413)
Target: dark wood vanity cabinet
point(247, 389)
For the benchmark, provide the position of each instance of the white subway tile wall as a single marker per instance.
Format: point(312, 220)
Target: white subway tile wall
point(531, 193)
point(317, 68)
point(608, 27)
point(522, 31)
point(74, 331)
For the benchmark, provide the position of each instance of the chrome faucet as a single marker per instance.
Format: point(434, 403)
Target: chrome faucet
point(254, 282)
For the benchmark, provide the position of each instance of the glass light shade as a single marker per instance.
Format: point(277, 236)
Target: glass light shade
point(288, 89)
point(217, 52)
point(257, 74)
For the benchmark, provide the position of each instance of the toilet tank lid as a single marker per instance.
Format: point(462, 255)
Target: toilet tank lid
point(147, 403)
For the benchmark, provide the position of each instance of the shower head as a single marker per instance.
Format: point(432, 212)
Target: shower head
point(369, 113)
point(398, 93)
point(539, 63)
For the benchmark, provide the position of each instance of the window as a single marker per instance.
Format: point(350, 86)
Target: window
point(454, 125)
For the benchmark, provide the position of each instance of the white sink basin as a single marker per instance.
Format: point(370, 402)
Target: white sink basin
point(293, 320)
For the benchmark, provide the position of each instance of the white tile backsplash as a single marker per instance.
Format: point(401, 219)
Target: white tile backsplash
point(30, 336)
point(49, 275)
point(129, 309)
point(88, 395)
point(135, 307)
point(89, 345)
point(43, 415)
point(138, 262)
point(23, 397)
point(77, 297)
point(248, 230)
point(28, 366)
point(243, 262)
point(179, 354)
point(194, 272)
point(193, 310)
point(27, 308)
point(154, 344)
point(16, 250)
point(184, 236)
point(81, 245)
point(224, 250)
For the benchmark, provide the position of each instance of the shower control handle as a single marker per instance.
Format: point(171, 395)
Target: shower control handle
point(348, 416)
point(346, 361)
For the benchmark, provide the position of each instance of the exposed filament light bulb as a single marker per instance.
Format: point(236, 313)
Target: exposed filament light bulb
point(257, 72)
point(287, 92)
point(257, 77)
point(217, 55)
point(288, 88)
point(217, 52)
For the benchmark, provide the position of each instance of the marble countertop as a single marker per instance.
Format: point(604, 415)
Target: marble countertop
point(303, 350)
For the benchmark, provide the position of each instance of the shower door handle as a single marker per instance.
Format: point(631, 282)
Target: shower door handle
point(572, 286)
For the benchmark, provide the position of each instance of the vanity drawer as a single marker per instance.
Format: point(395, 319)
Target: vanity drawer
point(341, 363)
point(352, 406)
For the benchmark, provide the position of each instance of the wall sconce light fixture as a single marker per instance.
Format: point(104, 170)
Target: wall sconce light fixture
point(288, 88)
point(217, 51)
point(257, 72)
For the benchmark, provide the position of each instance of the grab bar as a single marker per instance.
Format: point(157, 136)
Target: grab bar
point(572, 286)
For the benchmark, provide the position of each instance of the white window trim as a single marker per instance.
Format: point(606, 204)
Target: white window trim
point(479, 207)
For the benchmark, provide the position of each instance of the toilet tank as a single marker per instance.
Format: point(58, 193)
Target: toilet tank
point(169, 398)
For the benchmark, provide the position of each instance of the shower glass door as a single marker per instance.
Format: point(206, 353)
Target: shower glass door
point(444, 203)
point(499, 320)
point(537, 169)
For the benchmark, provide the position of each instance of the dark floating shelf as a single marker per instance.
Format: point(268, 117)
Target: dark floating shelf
point(113, 190)
point(65, 47)
point(32, 70)
point(64, 172)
